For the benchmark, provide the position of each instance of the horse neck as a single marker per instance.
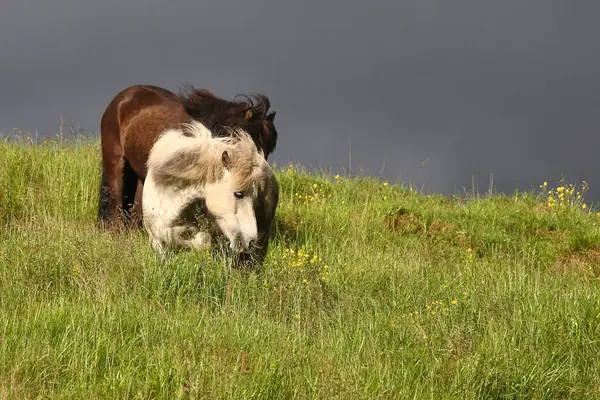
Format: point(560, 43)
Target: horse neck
point(183, 195)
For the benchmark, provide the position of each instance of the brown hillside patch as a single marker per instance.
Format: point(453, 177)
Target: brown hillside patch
point(438, 226)
point(462, 240)
point(403, 221)
point(578, 263)
point(437, 229)
point(546, 232)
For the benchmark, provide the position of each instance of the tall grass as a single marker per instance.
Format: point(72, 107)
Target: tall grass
point(369, 291)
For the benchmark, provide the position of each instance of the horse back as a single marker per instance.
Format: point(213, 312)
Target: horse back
point(135, 118)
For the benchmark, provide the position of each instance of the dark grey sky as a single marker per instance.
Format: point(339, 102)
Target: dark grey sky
point(509, 87)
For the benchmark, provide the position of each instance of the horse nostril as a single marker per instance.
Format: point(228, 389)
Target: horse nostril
point(252, 243)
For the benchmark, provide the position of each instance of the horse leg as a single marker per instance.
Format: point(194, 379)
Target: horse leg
point(114, 172)
point(130, 181)
point(137, 210)
point(159, 249)
point(103, 200)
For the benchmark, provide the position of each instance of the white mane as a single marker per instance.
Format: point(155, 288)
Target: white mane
point(192, 153)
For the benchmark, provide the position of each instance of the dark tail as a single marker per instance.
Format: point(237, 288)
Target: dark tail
point(103, 200)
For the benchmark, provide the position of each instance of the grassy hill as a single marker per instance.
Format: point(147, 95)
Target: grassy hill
point(369, 291)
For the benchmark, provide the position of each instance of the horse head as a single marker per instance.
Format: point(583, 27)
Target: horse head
point(232, 200)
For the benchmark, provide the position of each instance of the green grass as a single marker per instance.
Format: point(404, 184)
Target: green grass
point(384, 300)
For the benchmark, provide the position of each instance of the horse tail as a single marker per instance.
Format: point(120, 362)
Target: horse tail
point(103, 198)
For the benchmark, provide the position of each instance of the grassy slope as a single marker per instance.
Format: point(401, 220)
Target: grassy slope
point(370, 292)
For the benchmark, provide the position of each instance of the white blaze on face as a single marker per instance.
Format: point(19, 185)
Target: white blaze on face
point(247, 220)
point(234, 216)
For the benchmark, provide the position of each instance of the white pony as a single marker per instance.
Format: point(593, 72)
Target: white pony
point(198, 186)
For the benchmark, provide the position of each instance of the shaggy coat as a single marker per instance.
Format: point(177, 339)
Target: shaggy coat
point(200, 185)
point(136, 117)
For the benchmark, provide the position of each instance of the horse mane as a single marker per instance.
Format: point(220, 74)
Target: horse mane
point(192, 155)
point(269, 137)
point(218, 114)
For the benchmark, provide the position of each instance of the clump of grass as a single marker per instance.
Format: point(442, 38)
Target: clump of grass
point(565, 196)
point(370, 290)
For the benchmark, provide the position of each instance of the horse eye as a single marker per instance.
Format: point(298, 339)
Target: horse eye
point(238, 195)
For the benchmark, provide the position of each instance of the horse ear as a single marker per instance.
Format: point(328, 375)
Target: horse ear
point(226, 159)
point(271, 116)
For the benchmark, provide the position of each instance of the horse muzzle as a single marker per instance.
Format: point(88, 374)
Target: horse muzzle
point(248, 248)
point(239, 246)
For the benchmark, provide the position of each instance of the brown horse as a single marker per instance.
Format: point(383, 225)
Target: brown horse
point(136, 117)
